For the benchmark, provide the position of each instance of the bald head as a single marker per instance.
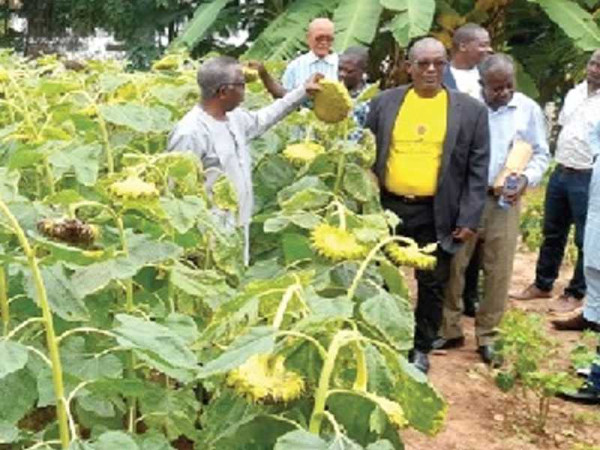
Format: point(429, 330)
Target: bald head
point(320, 36)
point(425, 45)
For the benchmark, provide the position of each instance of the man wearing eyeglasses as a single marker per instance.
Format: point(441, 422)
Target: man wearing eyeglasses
point(432, 163)
point(217, 131)
point(319, 59)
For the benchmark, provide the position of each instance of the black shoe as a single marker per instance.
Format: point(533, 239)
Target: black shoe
point(586, 394)
point(420, 360)
point(489, 356)
point(446, 344)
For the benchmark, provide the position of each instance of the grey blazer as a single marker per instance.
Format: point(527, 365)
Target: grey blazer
point(462, 181)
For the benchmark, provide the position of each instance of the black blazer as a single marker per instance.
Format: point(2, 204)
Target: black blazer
point(462, 181)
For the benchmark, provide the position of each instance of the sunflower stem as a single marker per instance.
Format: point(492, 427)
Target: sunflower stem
point(51, 341)
point(4, 307)
point(362, 374)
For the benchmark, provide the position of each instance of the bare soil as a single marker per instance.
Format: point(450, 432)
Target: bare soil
point(481, 417)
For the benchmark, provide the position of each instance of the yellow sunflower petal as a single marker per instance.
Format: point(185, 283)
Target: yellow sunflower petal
point(303, 152)
point(411, 256)
point(132, 188)
point(336, 244)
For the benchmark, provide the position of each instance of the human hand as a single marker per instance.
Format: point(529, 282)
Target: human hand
point(463, 234)
point(312, 85)
point(514, 196)
point(258, 66)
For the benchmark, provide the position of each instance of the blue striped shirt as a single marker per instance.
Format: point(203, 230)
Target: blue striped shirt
point(300, 69)
point(521, 119)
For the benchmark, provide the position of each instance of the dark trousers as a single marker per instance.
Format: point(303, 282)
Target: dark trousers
point(565, 204)
point(418, 223)
point(471, 290)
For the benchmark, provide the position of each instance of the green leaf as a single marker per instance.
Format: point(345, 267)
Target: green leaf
point(183, 213)
point(413, 18)
point(154, 440)
point(18, 393)
point(84, 364)
point(82, 160)
point(381, 445)
point(393, 317)
point(61, 294)
point(8, 433)
point(575, 21)
point(9, 185)
point(203, 20)
point(358, 183)
point(300, 440)
point(525, 82)
point(142, 251)
point(394, 279)
point(307, 193)
point(115, 440)
point(224, 194)
point(97, 405)
point(303, 219)
point(356, 23)
point(257, 340)
point(13, 357)
point(109, 82)
point(173, 411)
point(143, 119)
point(174, 95)
point(207, 285)
point(157, 345)
point(296, 247)
point(183, 326)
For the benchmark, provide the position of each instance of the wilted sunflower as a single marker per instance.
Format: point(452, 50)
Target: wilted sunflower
point(332, 102)
point(264, 378)
point(303, 152)
point(411, 255)
point(71, 231)
point(250, 75)
point(336, 243)
point(133, 188)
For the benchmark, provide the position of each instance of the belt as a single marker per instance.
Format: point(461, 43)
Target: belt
point(413, 199)
point(572, 169)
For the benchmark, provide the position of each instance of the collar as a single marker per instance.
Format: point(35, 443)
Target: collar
point(329, 59)
point(512, 104)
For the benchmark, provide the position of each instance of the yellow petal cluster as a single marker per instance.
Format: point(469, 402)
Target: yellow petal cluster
point(133, 188)
point(411, 255)
point(302, 152)
point(250, 75)
point(336, 244)
point(332, 102)
point(71, 231)
point(263, 378)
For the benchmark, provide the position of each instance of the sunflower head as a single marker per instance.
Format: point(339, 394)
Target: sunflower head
point(336, 243)
point(133, 188)
point(264, 378)
point(250, 75)
point(303, 152)
point(70, 231)
point(411, 255)
point(332, 102)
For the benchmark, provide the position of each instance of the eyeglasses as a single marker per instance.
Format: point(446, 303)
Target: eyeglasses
point(324, 39)
point(424, 64)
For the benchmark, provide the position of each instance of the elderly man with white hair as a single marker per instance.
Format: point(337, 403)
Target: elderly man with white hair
point(217, 131)
point(319, 59)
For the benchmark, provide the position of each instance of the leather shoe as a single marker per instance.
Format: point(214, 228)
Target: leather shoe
point(564, 303)
point(447, 344)
point(489, 356)
point(586, 394)
point(421, 361)
point(531, 292)
point(576, 323)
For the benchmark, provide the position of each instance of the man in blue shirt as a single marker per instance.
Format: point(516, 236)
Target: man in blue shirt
point(512, 117)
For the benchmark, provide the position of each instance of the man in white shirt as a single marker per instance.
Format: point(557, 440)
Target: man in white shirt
point(470, 46)
point(217, 131)
point(567, 193)
point(319, 59)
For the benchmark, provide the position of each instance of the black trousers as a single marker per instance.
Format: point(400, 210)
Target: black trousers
point(418, 223)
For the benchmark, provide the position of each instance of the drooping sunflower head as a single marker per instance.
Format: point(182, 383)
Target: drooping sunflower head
point(332, 102)
point(264, 378)
point(133, 187)
point(411, 255)
point(336, 243)
point(70, 231)
point(250, 75)
point(303, 152)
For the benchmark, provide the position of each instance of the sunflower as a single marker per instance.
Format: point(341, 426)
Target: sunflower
point(303, 152)
point(263, 378)
point(132, 188)
point(336, 243)
point(412, 255)
point(71, 231)
point(332, 102)
point(250, 75)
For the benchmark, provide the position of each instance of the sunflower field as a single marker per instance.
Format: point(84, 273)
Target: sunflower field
point(128, 318)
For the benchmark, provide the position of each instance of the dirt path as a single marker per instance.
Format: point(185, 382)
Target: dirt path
point(481, 417)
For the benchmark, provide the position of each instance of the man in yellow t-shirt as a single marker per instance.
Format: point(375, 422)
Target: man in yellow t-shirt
point(432, 164)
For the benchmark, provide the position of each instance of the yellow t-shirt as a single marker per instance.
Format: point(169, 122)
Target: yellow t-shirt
point(417, 141)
